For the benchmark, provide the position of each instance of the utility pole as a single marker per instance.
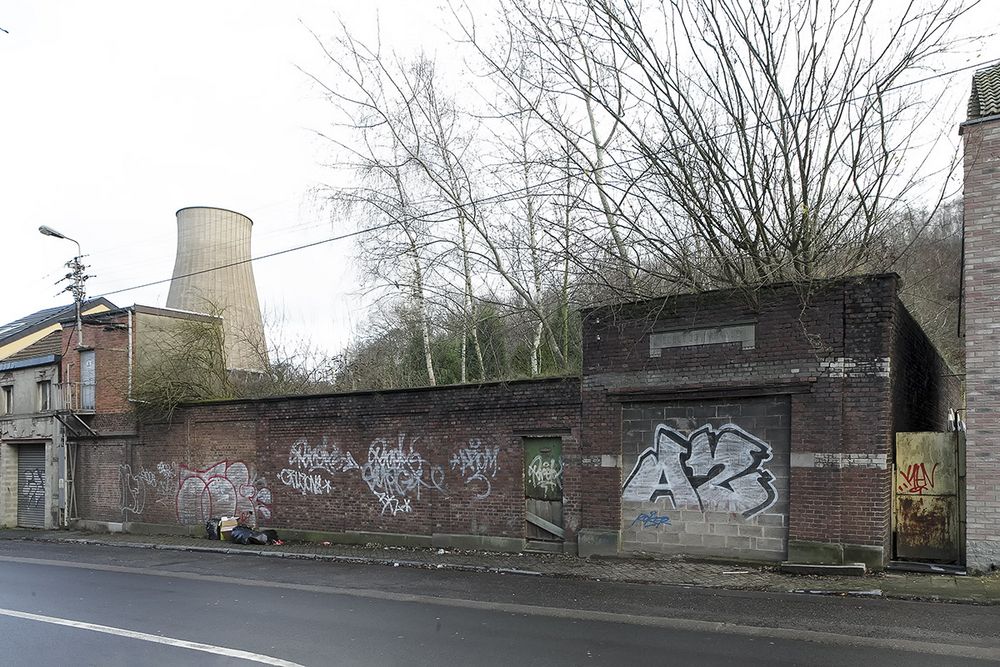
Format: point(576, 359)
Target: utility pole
point(77, 276)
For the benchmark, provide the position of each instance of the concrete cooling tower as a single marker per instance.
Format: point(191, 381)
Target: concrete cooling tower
point(209, 238)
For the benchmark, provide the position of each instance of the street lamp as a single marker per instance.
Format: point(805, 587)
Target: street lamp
point(77, 276)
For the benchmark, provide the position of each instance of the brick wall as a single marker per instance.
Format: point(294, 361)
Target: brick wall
point(807, 408)
point(445, 460)
point(824, 352)
point(982, 340)
point(107, 336)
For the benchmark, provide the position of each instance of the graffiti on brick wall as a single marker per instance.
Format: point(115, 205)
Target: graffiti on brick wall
point(144, 484)
point(133, 492)
point(34, 488)
point(477, 465)
point(310, 466)
point(717, 470)
point(651, 519)
point(226, 488)
point(916, 479)
point(396, 473)
point(330, 458)
point(545, 473)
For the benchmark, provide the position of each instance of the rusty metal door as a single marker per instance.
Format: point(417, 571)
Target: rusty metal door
point(926, 489)
point(543, 484)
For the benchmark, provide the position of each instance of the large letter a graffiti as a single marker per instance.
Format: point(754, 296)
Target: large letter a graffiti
point(711, 470)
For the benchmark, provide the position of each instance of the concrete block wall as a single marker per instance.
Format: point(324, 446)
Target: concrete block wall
point(982, 340)
point(716, 522)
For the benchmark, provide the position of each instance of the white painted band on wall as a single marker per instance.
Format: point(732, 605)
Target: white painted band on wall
point(840, 367)
point(837, 460)
point(602, 461)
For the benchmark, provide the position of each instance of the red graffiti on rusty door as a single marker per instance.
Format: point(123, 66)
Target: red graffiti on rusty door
point(916, 479)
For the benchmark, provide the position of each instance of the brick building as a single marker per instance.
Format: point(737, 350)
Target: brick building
point(703, 424)
point(981, 135)
point(760, 428)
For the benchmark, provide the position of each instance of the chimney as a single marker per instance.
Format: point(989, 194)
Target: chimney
point(981, 291)
point(213, 274)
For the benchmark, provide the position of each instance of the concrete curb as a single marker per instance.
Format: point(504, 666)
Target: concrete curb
point(784, 586)
point(357, 560)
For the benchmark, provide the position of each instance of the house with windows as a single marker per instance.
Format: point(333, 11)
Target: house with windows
point(56, 394)
point(32, 442)
point(35, 470)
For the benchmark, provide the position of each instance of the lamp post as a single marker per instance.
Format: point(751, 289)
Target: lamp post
point(77, 277)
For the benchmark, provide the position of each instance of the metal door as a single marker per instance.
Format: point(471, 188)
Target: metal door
point(543, 485)
point(926, 520)
point(31, 486)
point(88, 374)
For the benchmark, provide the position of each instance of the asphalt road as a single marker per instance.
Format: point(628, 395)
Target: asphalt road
point(89, 605)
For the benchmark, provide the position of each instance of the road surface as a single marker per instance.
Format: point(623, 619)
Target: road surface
point(93, 605)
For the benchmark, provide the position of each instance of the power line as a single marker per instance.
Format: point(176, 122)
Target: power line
point(527, 190)
point(254, 259)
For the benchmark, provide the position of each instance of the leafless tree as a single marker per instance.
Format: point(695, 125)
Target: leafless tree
point(730, 142)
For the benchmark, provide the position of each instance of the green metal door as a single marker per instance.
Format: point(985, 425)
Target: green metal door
point(926, 488)
point(543, 486)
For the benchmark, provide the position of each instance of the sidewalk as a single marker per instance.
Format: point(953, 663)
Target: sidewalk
point(673, 571)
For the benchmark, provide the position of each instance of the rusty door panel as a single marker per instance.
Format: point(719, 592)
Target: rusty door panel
point(927, 528)
point(926, 491)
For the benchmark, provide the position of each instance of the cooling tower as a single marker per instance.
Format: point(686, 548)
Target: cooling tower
point(213, 274)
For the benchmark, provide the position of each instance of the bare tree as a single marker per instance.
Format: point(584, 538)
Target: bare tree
point(731, 142)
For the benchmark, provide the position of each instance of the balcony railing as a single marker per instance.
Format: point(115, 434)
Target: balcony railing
point(77, 396)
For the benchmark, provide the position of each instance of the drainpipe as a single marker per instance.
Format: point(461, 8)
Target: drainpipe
point(129, 354)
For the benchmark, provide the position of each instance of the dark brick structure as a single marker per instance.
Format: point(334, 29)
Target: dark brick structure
point(822, 378)
point(705, 424)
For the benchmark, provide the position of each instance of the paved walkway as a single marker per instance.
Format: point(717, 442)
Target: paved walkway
point(673, 571)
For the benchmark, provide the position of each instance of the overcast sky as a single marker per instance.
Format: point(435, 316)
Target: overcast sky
point(113, 115)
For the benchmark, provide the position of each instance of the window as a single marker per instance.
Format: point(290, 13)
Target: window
point(44, 395)
point(7, 399)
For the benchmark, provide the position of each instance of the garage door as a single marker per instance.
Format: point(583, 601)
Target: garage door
point(31, 486)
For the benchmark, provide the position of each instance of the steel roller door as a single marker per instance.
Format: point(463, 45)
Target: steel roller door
point(31, 486)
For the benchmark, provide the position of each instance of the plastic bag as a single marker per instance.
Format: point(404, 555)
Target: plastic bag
point(247, 535)
point(212, 529)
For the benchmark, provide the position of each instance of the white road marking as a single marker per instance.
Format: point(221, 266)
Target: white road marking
point(157, 639)
point(991, 652)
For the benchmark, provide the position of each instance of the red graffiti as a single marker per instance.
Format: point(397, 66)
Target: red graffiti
point(915, 478)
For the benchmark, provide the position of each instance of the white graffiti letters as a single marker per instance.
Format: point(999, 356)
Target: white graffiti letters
point(308, 462)
point(711, 470)
point(545, 473)
point(34, 488)
point(393, 472)
point(305, 482)
point(326, 457)
point(477, 464)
